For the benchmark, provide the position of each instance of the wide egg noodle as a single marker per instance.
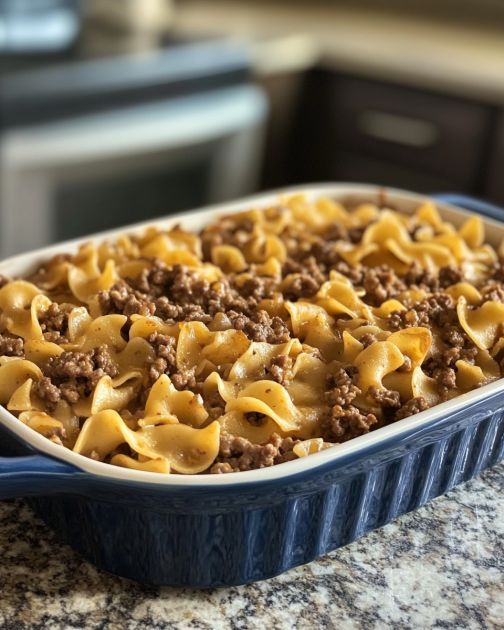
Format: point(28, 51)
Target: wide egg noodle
point(15, 373)
point(188, 450)
point(21, 303)
point(481, 324)
point(375, 362)
point(39, 352)
point(235, 423)
point(313, 325)
point(270, 399)
point(41, 422)
point(85, 287)
point(109, 394)
point(166, 405)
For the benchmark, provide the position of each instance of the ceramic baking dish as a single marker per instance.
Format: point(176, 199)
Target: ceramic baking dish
point(215, 530)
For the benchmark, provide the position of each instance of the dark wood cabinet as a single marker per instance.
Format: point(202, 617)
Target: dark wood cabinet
point(437, 137)
point(353, 129)
point(351, 167)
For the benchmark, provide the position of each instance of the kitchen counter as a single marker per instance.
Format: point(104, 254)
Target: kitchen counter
point(454, 56)
point(440, 566)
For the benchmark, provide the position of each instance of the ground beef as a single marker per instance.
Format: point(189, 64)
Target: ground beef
point(323, 255)
point(446, 379)
point(177, 294)
point(54, 323)
point(230, 231)
point(45, 389)
point(308, 266)
point(260, 326)
point(76, 374)
point(346, 423)
point(386, 398)
point(122, 299)
point(340, 387)
point(90, 365)
point(165, 356)
point(335, 232)
point(257, 287)
point(238, 454)
point(452, 355)
point(174, 294)
point(355, 234)
point(11, 346)
point(381, 283)
point(453, 336)
point(344, 420)
point(406, 318)
point(354, 273)
point(156, 368)
point(449, 275)
point(448, 358)
point(181, 285)
point(170, 312)
point(493, 292)
point(280, 367)
point(367, 339)
point(438, 309)
point(417, 276)
point(302, 286)
point(214, 404)
point(410, 408)
point(184, 379)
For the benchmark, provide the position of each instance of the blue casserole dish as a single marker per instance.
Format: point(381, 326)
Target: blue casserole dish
point(221, 530)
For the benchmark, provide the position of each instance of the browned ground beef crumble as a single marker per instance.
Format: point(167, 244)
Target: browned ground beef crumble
point(11, 346)
point(73, 375)
point(176, 294)
point(279, 368)
point(54, 323)
point(237, 453)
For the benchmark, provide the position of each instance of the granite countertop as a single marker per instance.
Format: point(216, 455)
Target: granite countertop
point(438, 567)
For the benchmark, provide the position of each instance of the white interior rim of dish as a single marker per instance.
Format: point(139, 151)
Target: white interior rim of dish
point(24, 263)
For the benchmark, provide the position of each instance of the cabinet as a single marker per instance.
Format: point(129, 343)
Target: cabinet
point(353, 129)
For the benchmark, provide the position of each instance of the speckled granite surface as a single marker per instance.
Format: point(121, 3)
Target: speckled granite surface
point(439, 567)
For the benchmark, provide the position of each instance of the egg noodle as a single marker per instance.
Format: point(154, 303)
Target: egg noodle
point(271, 335)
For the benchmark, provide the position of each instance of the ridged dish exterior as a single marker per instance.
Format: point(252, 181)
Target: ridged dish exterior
point(208, 537)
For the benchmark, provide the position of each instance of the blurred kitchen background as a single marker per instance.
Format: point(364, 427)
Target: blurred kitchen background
point(116, 111)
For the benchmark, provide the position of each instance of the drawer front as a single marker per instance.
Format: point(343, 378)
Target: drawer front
point(442, 136)
point(348, 167)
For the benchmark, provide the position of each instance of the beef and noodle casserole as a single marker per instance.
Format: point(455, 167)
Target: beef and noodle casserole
point(270, 335)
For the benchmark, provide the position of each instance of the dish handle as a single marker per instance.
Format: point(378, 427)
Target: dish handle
point(32, 475)
point(470, 203)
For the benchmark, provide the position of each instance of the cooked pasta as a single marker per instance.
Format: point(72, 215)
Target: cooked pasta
point(272, 334)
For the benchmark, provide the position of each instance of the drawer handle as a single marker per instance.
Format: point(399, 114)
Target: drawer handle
point(410, 132)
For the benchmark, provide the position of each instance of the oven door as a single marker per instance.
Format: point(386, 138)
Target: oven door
point(88, 174)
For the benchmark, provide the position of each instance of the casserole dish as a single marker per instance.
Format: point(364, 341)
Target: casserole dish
point(217, 530)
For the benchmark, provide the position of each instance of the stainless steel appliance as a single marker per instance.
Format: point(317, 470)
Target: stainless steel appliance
point(94, 144)
point(28, 26)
